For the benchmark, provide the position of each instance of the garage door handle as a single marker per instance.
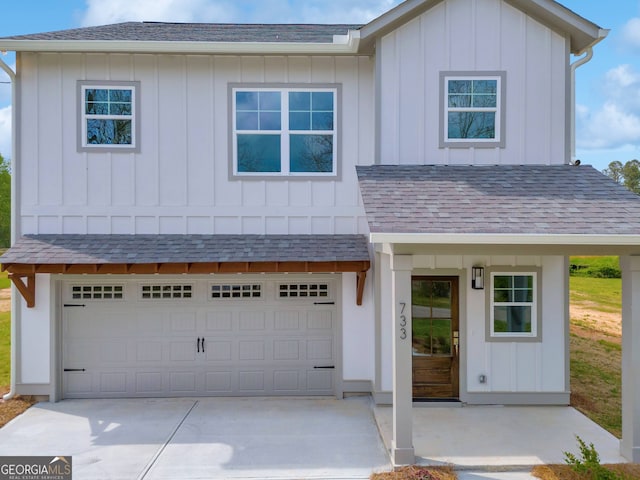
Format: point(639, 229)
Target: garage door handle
point(73, 305)
point(202, 344)
point(326, 368)
point(198, 344)
point(324, 303)
point(74, 370)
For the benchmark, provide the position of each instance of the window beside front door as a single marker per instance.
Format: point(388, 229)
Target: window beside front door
point(284, 131)
point(513, 305)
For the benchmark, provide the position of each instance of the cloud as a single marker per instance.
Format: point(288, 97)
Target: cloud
point(100, 12)
point(631, 33)
point(5, 132)
point(617, 122)
point(5, 85)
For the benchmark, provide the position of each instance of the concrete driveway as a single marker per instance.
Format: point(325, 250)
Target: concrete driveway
point(206, 438)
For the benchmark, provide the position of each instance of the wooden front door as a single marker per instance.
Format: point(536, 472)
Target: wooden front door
point(435, 337)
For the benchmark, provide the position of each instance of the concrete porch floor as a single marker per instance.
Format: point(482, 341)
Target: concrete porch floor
point(486, 437)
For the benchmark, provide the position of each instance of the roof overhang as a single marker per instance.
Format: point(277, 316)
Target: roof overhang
point(183, 254)
point(342, 45)
point(505, 244)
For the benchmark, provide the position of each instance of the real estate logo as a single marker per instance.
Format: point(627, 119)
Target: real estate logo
point(35, 468)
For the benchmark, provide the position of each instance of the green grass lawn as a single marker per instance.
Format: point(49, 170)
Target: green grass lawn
point(4, 280)
point(595, 267)
point(596, 355)
point(5, 347)
point(604, 293)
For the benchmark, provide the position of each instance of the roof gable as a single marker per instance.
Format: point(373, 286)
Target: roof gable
point(582, 32)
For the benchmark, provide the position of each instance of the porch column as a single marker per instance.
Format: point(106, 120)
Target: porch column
point(630, 444)
point(402, 451)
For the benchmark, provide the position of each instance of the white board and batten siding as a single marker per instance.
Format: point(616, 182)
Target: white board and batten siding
point(191, 336)
point(509, 367)
point(469, 36)
point(179, 182)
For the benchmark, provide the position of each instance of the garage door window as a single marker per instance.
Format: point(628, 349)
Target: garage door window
point(97, 292)
point(155, 292)
point(228, 291)
point(303, 290)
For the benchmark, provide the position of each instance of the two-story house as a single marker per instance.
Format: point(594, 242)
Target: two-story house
point(206, 209)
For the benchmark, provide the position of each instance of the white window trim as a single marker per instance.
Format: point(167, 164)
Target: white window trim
point(284, 132)
point(499, 109)
point(536, 306)
point(83, 146)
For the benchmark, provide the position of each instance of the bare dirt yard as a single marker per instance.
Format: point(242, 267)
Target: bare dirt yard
point(5, 300)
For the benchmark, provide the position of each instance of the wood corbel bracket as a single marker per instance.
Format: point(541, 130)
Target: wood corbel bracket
point(28, 290)
point(360, 280)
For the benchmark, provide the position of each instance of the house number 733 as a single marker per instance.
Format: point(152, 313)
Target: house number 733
point(403, 321)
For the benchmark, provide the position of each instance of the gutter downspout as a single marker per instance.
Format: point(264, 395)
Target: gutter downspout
point(15, 305)
point(574, 66)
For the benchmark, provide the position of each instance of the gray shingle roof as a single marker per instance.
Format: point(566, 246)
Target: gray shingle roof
point(496, 200)
point(197, 32)
point(141, 249)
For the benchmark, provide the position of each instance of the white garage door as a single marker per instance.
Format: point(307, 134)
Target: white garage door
point(267, 335)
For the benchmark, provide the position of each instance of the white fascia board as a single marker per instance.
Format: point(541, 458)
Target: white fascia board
point(343, 45)
point(503, 239)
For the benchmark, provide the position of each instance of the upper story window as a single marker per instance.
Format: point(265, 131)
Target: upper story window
point(108, 116)
point(472, 109)
point(285, 131)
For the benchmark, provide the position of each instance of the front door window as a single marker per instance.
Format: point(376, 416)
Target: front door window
point(435, 346)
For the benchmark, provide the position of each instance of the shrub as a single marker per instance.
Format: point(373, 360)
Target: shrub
point(588, 463)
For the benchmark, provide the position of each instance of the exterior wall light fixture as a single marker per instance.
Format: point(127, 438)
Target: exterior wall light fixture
point(477, 278)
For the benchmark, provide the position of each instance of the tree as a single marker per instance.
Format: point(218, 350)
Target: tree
point(627, 174)
point(5, 203)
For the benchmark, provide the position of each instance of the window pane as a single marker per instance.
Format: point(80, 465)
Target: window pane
point(120, 95)
point(247, 121)
point(322, 101)
point(502, 281)
point(502, 296)
point(512, 319)
point(270, 120)
point(270, 101)
point(472, 124)
point(96, 95)
point(459, 101)
point(421, 343)
point(523, 281)
point(524, 295)
point(322, 121)
point(108, 132)
point(259, 153)
point(441, 336)
point(459, 86)
point(485, 86)
point(300, 101)
point(311, 153)
point(120, 109)
point(484, 101)
point(246, 100)
point(95, 108)
point(299, 121)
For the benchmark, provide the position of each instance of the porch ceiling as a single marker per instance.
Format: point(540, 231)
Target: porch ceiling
point(184, 254)
point(541, 209)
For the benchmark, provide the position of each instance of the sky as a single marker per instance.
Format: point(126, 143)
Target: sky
point(607, 93)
